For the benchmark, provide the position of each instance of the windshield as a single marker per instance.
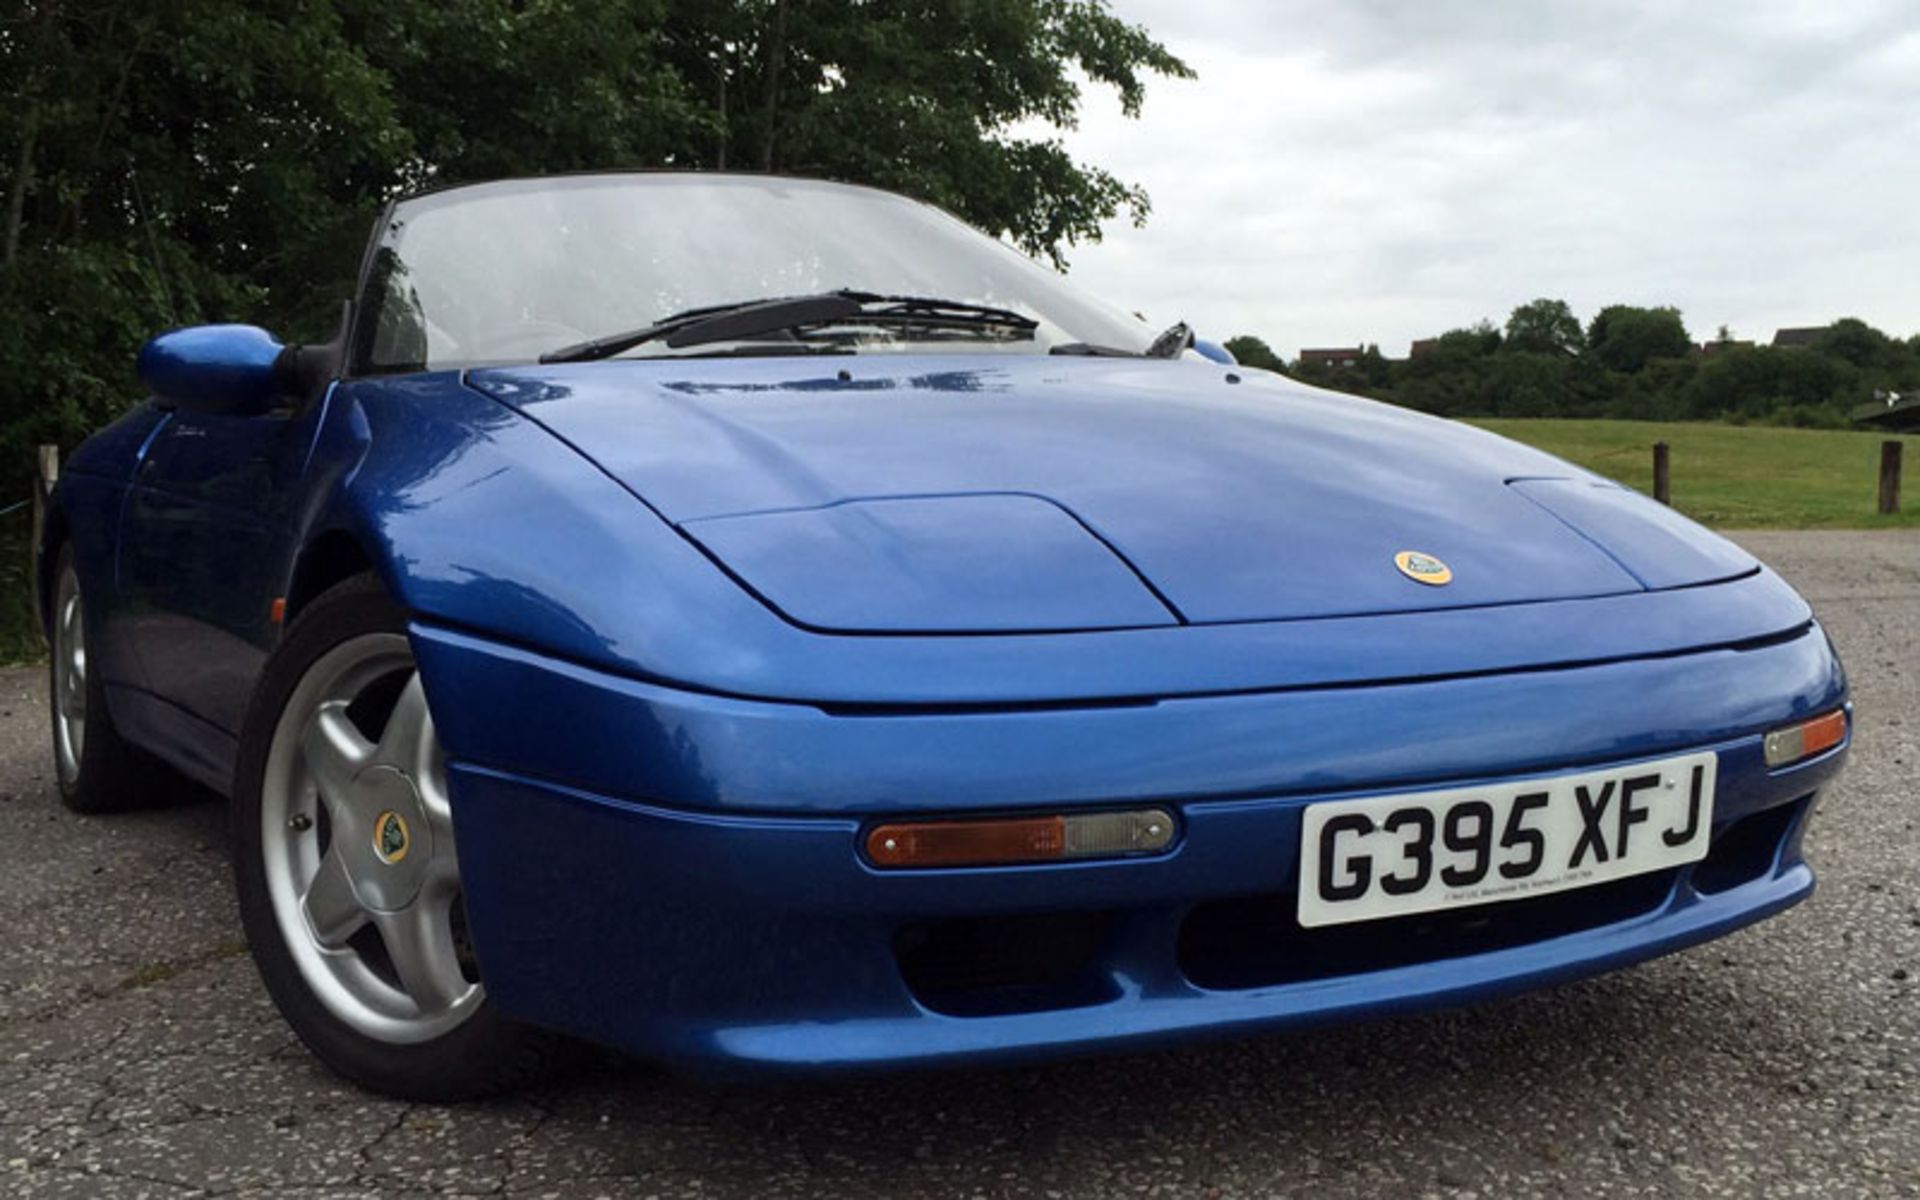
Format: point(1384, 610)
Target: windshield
point(505, 272)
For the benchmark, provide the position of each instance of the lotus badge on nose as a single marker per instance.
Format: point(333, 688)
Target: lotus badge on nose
point(390, 839)
point(1423, 568)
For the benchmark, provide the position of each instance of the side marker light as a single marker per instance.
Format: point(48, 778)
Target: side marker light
point(1004, 842)
point(1808, 738)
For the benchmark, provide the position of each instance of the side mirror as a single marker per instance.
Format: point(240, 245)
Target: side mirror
point(226, 369)
point(1215, 351)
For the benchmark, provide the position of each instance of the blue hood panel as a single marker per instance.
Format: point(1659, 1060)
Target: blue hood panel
point(934, 564)
point(1247, 501)
point(1662, 548)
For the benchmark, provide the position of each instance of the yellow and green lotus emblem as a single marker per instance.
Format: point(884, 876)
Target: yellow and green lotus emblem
point(1423, 568)
point(390, 839)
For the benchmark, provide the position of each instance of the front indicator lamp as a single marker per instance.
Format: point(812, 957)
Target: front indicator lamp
point(1010, 841)
point(1808, 738)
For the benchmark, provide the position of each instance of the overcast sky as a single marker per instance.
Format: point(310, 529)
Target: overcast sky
point(1380, 170)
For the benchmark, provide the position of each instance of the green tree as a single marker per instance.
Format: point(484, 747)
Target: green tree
point(1374, 369)
point(1544, 327)
point(1625, 338)
point(1525, 383)
point(1657, 392)
point(1253, 352)
point(1449, 377)
point(1853, 340)
point(167, 164)
point(1759, 383)
point(1638, 365)
point(933, 99)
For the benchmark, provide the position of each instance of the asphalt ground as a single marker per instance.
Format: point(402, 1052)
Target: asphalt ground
point(140, 1057)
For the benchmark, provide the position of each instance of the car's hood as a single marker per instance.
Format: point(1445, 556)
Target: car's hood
point(1233, 496)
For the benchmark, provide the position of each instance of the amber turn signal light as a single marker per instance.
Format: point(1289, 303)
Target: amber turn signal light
point(1795, 742)
point(1004, 842)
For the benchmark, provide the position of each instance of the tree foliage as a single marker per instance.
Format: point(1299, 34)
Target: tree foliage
point(1545, 327)
point(170, 161)
point(1253, 352)
point(1625, 338)
point(1630, 362)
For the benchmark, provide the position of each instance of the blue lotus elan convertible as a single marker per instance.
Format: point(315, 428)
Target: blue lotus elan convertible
point(760, 622)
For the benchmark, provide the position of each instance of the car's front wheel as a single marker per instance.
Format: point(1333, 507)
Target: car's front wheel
point(348, 875)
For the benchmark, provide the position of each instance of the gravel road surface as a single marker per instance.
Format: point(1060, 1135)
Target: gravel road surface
point(139, 1056)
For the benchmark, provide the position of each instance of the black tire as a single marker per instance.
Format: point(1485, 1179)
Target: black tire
point(109, 774)
point(486, 1053)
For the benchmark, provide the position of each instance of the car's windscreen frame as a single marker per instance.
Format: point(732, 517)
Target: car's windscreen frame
point(485, 251)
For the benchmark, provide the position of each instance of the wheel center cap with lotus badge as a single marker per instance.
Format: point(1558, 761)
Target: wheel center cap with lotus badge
point(1423, 568)
point(390, 839)
point(394, 851)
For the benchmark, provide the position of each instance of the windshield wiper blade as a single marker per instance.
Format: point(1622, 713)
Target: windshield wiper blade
point(715, 323)
point(751, 318)
point(933, 310)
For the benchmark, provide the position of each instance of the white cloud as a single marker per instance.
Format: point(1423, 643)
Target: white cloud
point(1386, 169)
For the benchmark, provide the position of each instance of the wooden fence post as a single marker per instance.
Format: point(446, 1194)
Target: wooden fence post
point(1889, 477)
point(1662, 474)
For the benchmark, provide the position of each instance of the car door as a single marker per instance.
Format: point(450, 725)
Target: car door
point(205, 547)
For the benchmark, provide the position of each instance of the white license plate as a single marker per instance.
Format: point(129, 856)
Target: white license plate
point(1388, 856)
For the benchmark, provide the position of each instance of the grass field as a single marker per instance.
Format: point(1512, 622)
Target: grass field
point(1740, 477)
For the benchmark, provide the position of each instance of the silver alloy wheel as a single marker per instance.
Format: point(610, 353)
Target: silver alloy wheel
point(69, 677)
point(357, 837)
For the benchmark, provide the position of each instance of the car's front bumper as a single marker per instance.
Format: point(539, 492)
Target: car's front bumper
point(678, 873)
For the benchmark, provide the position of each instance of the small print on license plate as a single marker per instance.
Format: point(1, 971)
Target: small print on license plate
point(1388, 856)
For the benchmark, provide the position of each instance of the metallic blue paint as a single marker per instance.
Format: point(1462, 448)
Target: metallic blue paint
point(224, 367)
point(782, 941)
point(720, 835)
point(688, 626)
point(609, 734)
point(1242, 502)
point(1661, 548)
point(210, 504)
point(975, 563)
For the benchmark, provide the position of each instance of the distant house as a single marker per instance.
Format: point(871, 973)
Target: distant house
point(1344, 356)
point(1800, 337)
point(1422, 346)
